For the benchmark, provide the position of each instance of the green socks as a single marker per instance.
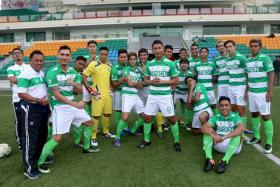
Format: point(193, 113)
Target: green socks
point(244, 121)
point(256, 123)
point(183, 109)
point(175, 132)
point(77, 134)
point(188, 116)
point(88, 109)
point(47, 149)
point(147, 132)
point(121, 126)
point(234, 143)
point(117, 116)
point(87, 137)
point(268, 127)
point(139, 122)
point(49, 132)
point(208, 146)
point(215, 111)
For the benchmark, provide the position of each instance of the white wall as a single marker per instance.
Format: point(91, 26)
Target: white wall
point(192, 31)
point(90, 33)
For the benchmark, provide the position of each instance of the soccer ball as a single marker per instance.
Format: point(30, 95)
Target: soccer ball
point(5, 150)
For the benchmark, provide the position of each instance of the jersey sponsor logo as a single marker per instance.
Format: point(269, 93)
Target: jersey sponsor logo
point(159, 68)
point(254, 66)
point(159, 74)
point(233, 64)
point(225, 126)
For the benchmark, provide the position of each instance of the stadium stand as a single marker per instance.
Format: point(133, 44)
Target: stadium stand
point(271, 46)
point(78, 48)
point(50, 50)
point(176, 41)
point(5, 49)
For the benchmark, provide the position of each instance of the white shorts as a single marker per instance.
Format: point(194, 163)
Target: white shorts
point(196, 124)
point(222, 91)
point(223, 146)
point(144, 93)
point(237, 95)
point(178, 96)
point(86, 95)
point(257, 103)
point(65, 115)
point(130, 102)
point(117, 101)
point(160, 103)
point(211, 97)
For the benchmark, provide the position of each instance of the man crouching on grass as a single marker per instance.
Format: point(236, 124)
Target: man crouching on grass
point(224, 130)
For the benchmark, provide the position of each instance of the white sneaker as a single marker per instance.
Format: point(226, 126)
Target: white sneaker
point(109, 135)
point(94, 143)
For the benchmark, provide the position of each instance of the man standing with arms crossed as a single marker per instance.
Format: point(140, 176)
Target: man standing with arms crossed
point(118, 79)
point(261, 76)
point(13, 74)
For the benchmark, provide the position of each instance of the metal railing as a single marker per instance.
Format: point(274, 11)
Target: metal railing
point(137, 13)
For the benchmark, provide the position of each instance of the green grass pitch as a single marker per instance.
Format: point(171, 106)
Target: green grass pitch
point(157, 165)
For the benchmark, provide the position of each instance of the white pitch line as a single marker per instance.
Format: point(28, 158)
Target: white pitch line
point(270, 156)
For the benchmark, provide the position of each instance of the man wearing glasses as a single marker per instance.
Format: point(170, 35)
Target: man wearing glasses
point(13, 74)
point(261, 75)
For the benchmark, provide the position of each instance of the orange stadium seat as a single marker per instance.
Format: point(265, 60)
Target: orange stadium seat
point(5, 49)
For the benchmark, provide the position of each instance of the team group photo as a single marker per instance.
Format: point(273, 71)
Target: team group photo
point(140, 105)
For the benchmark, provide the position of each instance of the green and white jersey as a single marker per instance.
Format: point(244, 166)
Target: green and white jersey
point(225, 125)
point(177, 64)
point(182, 88)
point(116, 74)
point(203, 100)
point(236, 67)
point(135, 75)
point(192, 62)
point(32, 82)
point(205, 72)
point(56, 77)
point(222, 70)
point(257, 69)
point(143, 71)
point(164, 70)
point(15, 71)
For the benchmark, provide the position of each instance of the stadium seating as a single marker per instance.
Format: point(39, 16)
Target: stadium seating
point(50, 50)
point(5, 49)
point(20, 12)
point(271, 46)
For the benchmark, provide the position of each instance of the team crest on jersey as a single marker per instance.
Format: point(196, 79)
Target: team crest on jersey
point(169, 109)
point(263, 108)
point(241, 98)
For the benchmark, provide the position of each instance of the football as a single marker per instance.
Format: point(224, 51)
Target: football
point(5, 150)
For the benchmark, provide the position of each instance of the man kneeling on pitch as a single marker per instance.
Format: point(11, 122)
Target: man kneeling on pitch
point(224, 130)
